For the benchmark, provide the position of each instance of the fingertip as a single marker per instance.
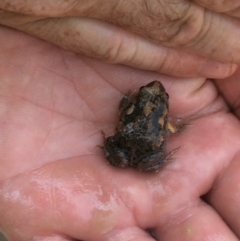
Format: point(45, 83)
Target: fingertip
point(129, 233)
point(200, 222)
point(217, 70)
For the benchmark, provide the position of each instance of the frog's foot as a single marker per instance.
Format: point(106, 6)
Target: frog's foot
point(168, 157)
point(104, 138)
point(179, 127)
point(172, 129)
point(103, 135)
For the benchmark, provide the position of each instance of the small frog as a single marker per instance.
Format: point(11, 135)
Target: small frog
point(142, 133)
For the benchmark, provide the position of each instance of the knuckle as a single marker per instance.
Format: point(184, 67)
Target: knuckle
point(119, 51)
point(192, 28)
point(220, 5)
point(175, 23)
point(38, 8)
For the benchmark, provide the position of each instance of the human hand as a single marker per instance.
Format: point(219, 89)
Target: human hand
point(55, 181)
point(179, 38)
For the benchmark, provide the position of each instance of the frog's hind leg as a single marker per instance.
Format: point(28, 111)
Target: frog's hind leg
point(158, 163)
point(151, 162)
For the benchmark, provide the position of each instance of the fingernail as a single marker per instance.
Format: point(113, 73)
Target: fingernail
point(213, 70)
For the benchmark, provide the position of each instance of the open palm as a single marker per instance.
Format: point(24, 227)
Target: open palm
point(55, 181)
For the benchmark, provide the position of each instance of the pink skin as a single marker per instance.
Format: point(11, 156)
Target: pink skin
point(187, 38)
point(55, 181)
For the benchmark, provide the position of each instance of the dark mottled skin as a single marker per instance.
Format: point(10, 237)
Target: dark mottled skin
point(142, 133)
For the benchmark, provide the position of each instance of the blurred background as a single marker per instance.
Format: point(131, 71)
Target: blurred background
point(2, 238)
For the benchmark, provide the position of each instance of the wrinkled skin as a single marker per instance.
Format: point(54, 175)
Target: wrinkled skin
point(55, 183)
point(178, 37)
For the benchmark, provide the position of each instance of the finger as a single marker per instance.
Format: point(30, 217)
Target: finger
point(229, 89)
point(2, 238)
point(229, 7)
point(127, 234)
point(112, 44)
point(186, 25)
point(49, 238)
point(195, 223)
point(225, 195)
point(35, 237)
